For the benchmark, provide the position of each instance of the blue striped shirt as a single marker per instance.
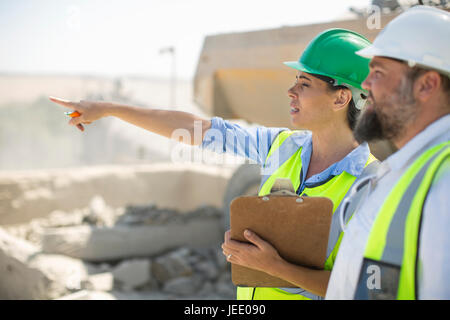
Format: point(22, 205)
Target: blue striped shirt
point(254, 143)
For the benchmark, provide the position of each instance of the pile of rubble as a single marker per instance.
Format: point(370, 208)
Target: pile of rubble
point(133, 252)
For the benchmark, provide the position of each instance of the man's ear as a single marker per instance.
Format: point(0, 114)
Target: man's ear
point(427, 85)
point(343, 97)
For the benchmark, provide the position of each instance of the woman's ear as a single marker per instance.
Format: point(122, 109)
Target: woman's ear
point(343, 98)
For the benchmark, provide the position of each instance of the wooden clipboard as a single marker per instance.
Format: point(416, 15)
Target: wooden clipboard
point(298, 227)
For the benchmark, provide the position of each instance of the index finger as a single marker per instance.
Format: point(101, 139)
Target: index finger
point(63, 102)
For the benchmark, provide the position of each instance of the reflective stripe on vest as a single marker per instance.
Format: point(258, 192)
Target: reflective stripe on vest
point(336, 234)
point(391, 249)
point(284, 161)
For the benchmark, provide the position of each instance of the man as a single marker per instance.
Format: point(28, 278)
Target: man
point(396, 246)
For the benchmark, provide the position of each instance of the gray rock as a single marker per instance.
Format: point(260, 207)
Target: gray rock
point(121, 242)
point(28, 274)
point(172, 265)
point(65, 272)
point(18, 280)
point(88, 295)
point(207, 269)
point(183, 285)
point(225, 289)
point(58, 218)
point(99, 213)
point(100, 282)
point(207, 289)
point(132, 273)
point(146, 214)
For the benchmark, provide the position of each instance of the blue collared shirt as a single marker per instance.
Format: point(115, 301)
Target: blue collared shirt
point(254, 143)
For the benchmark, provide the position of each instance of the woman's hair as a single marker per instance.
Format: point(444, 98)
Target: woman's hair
point(352, 111)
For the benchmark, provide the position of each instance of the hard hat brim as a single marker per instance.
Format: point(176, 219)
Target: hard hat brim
point(369, 52)
point(297, 65)
point(301, 67)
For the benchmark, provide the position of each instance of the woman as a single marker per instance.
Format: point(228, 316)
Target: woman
point(325, 161)
point(322, 161)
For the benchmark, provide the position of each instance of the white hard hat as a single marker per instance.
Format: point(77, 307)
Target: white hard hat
point(420, 35)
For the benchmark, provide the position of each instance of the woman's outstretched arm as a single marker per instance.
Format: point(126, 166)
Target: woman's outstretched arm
point(162, 122)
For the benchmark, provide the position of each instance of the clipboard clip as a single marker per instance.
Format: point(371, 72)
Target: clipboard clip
point(283, 187)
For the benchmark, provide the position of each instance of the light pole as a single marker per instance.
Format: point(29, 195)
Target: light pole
point(171, 50)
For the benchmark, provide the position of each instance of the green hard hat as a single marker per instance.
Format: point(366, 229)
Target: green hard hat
point(332, 54)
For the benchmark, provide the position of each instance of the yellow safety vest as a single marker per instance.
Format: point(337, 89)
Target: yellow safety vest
point(285, 159)
point(391, 249)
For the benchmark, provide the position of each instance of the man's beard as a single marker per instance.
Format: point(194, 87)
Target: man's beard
point(388, 119)
point(368, 127)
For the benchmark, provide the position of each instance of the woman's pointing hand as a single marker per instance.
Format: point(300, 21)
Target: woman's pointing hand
point(89, 111)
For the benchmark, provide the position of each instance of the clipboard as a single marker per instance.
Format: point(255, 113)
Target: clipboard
point(298, 227)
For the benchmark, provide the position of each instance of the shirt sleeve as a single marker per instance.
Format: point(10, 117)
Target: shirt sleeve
point(252, 143)
point(434, 253)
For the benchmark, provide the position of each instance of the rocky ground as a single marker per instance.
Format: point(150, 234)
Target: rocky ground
point(132, 252)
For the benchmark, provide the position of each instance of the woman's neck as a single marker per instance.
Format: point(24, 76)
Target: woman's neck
point(329, 145)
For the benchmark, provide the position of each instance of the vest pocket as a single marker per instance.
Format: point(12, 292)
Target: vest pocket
point(377, 281)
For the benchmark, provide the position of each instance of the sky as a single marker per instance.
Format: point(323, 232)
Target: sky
point(124, 37)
